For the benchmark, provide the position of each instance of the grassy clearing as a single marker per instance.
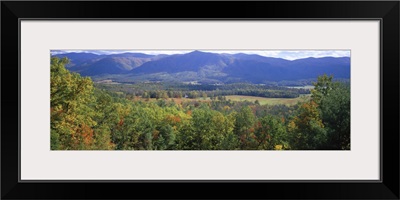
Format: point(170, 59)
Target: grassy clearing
point(176, 100)
point(269, 101)
point(262, 100)
point(307, 87)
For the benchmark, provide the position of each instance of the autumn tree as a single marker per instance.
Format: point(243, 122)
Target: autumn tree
point(306, 128)
point(244, 127)
point(269, 133)
point(71, 114)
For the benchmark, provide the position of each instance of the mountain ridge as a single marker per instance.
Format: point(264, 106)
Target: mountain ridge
point(206, 66)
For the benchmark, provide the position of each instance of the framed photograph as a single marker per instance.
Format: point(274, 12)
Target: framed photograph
point(122, 100)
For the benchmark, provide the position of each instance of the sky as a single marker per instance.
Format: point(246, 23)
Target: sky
point(285, 54)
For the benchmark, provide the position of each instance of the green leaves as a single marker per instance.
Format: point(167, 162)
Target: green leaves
point(244, 128)
point(322, 87)
point(86, 118)
point(270, 132)
point(72, 116)
point(335, 109)
point(306, 128)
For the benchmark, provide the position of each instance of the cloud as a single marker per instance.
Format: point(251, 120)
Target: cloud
point(285, 54)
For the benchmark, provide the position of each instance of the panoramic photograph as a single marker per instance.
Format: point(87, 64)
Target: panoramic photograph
point(200, 100)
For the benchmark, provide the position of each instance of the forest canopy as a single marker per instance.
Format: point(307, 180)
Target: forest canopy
point(85, 116)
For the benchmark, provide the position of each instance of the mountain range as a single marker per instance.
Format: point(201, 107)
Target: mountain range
point(205, 67)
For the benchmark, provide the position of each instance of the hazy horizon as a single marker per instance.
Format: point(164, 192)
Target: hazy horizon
point(284, 54)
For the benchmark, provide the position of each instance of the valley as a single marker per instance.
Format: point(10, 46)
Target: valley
point(199, 101)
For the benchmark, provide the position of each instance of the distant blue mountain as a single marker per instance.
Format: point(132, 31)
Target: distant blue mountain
point(193, 61)
point(79, 59)
point(88, 64)
point(205, 66)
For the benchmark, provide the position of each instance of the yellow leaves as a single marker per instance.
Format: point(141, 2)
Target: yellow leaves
point(227, 108)
point(121, 109)
point(278, 147)
point(155, 134)
point(292, 125)
point(71, 114)
point(308, 112)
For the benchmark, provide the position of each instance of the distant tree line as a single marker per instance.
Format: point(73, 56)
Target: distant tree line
point(168, 90)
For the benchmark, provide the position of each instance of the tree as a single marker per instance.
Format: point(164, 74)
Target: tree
point(244, 127)
point(269, 132)
point(322, 88)
point(71, 116)
point(204, 95)
point(203, 128)
point(333, 99)
point(335, 113)
point(306, 128)
point(106, 119)
point(230, 140)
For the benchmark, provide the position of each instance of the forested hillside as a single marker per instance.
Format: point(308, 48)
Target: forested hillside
point(85, 117)
point(204, 67)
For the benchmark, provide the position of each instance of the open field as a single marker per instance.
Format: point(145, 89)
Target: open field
point(176, 100)
point(261, 100)
point(269, 101)
point(306, 87)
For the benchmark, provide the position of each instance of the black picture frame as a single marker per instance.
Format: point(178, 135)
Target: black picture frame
point(386, 11)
